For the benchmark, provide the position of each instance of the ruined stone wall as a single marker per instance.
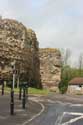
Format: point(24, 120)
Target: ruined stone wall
point(35, 59)
point(50, 67)
point(14, 46)
point(20, 44)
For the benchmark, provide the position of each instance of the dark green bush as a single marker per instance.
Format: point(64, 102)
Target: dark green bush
point(63, 85)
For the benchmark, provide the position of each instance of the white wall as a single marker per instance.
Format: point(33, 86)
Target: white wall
point(75, 89)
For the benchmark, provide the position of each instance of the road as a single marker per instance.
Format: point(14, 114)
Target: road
point(60, 110)
point(40, 110)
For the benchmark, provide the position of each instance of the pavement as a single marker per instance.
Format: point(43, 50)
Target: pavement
point(54, 109)
point(20, 115)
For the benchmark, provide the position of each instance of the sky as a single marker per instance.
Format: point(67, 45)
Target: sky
point(57, 23)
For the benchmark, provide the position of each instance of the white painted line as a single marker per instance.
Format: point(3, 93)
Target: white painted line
point(36, 99)
point(73, 113)
point(59, 119)
point(80, 116)
point(50, 101)
point(78, 105)
point(71, 104)
point(72, 120)
point(62, 103)
point(35, 116)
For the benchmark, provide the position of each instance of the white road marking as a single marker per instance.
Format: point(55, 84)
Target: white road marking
point(35, 116)
point(36, 99)
point(71, 104)
point(50, 101)
point(80, 116)
point(72, 120)
point(73, 113)
point(79, 105)
point(59, 119)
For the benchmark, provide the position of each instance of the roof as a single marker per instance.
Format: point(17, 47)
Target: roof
point(76, 81)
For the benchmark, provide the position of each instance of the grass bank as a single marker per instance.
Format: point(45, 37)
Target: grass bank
point(33, 91)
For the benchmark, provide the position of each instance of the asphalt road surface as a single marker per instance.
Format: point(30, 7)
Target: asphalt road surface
point(51, 110)
point(60, 110)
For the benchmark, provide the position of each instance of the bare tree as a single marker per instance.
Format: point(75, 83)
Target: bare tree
point(66, 55)
point(65, 70)
point(80, 63)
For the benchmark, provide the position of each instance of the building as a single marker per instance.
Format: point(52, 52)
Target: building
point(76, 85)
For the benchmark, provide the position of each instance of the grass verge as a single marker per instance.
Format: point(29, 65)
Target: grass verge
point(33, 91)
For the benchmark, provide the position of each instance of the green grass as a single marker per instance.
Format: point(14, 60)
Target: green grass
point(38, 91)
point(31, 91)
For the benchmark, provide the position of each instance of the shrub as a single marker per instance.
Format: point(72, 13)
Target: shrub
point(63, 85)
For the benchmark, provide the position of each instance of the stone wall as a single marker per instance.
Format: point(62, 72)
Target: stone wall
point(35, 58)
point(19, 44)
point(50, 67)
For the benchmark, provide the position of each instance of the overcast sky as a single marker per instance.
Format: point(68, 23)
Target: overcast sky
point(58, 23)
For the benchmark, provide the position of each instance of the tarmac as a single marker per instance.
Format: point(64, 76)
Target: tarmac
point(43, 110)
point(20, 115)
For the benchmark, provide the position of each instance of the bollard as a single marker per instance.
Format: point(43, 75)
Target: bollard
point(3, 88)
point(12, 102)
point(12, 88)
point(24, 99)
point(20, 93)
point(27, 93)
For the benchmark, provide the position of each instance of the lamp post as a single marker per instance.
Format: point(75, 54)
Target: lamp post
point(12, 90)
